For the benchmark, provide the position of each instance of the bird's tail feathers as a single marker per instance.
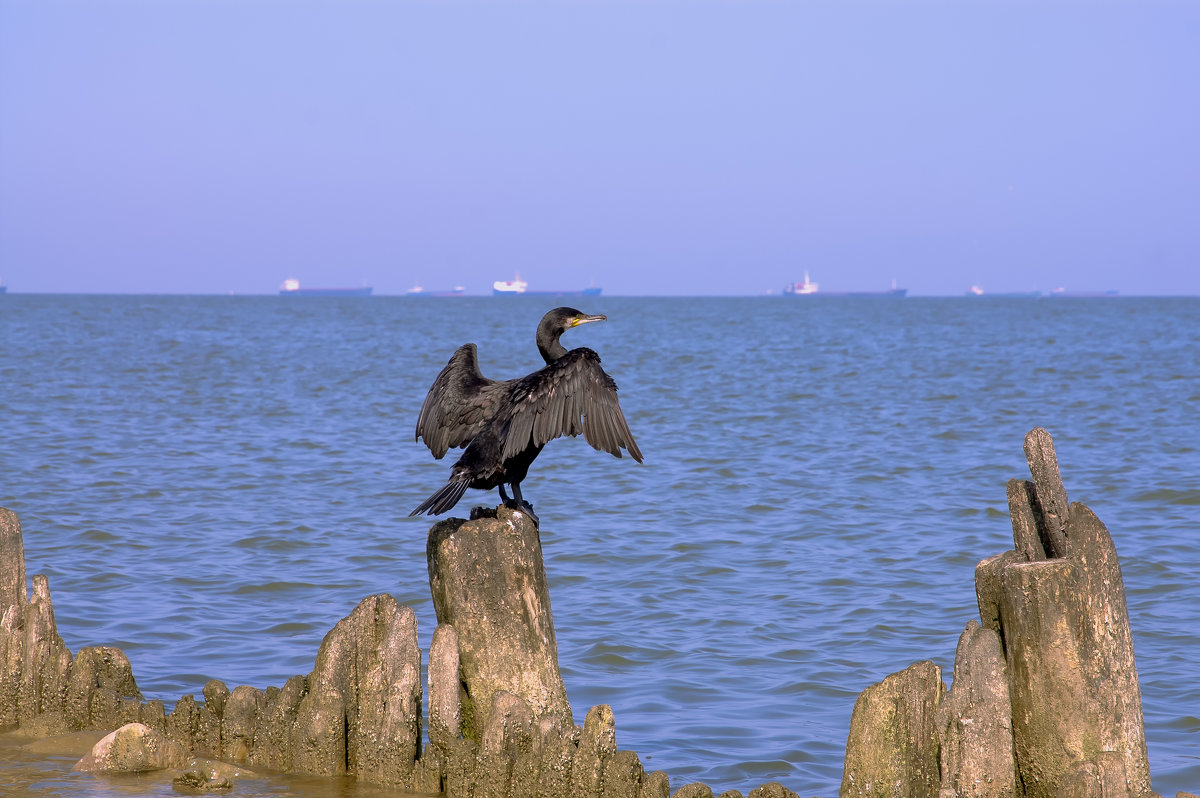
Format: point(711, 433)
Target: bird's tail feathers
point(446, 497)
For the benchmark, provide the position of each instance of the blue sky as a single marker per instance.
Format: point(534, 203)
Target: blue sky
point(647, 147)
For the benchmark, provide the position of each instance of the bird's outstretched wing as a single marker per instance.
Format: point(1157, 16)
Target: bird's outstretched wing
point(571, 395)
point(458, 405)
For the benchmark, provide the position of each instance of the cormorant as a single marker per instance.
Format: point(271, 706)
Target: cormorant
point(505, 423)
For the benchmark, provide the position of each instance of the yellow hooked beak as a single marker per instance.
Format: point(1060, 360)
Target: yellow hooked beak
point(575, 322)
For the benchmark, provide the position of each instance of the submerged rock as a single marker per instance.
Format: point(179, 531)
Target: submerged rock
point(133, 748)
point(194, 782)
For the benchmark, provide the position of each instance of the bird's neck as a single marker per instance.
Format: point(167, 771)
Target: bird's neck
point(551, 348)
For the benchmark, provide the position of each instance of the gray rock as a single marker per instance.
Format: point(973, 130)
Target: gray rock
point(133, 748)
point(694, 790)
point(731, 794)
point(488, 581)
point(892, 748)
point(975, 720)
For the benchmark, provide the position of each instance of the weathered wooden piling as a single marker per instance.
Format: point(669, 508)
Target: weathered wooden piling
point(1067, 641)
point(362, 714)
point(488, 581)
point(1045, 699)
point(892, 748)
point(34, 662)
point(975, 721)
point(13, 587)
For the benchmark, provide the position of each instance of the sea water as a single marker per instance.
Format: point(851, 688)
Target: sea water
point(211, 483)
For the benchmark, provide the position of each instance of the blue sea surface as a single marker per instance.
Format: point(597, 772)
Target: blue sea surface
point(211, 483)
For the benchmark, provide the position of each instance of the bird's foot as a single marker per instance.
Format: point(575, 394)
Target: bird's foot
point(527, 508)
point(523, 507)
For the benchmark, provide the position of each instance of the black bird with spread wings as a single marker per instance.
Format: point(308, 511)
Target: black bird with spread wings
point(505, 423)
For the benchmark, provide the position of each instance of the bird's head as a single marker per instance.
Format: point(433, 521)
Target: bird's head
point(554, 324)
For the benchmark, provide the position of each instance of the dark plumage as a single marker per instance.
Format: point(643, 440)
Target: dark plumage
point(504, 424)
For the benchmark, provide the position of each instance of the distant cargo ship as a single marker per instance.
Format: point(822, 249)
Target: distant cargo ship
point(292, 288)
point(518, 287)
point(418, 290)
point(809, 288)
point(806, 287)
point(1062, 292)
point(977, 291)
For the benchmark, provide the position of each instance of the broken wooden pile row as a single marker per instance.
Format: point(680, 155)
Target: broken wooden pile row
point(1045, 698)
